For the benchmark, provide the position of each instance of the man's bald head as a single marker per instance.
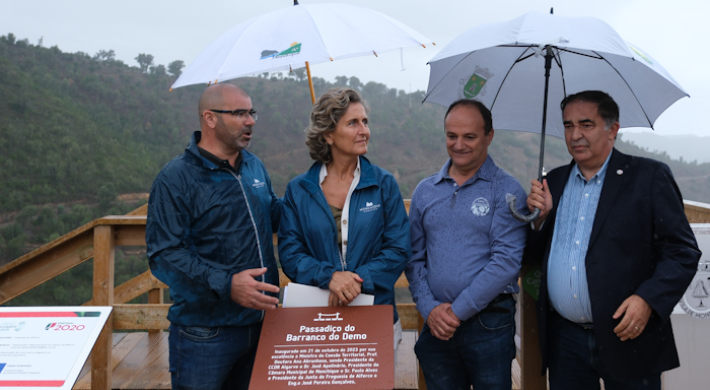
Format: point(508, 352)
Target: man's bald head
point(214, 96)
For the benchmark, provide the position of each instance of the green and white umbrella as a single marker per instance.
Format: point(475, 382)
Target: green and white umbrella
point(295, 36)
point(516, 67)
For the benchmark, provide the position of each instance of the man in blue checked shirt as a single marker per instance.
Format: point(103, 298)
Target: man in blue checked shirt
point(466, 254)
point(617, 254)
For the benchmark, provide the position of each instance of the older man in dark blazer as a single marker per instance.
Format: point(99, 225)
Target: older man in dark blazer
point(617, 253)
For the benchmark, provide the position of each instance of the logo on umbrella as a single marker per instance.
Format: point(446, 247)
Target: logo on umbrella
point(294, 49)
point(641, 55)
point(474, 85)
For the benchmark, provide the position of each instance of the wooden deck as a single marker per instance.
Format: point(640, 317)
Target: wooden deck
point(140, 361)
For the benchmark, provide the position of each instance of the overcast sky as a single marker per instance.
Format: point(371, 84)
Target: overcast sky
point(673, 32)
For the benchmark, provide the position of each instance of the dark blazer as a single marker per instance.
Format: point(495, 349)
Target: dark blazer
point(641, 243)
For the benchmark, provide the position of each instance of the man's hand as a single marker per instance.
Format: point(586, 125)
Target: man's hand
point(638, 311)
point(345, 285)
point(443, 322)
point(541, 198)
point(246, 291)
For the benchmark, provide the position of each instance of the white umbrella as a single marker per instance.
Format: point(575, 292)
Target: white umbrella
point(293, 37)
point(514, 67)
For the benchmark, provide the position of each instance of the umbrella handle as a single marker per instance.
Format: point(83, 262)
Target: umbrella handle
point(520, 217)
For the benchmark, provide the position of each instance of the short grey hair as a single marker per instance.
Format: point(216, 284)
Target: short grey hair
point(326, 113)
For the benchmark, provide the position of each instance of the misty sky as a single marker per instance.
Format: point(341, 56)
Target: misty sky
point(673, 32)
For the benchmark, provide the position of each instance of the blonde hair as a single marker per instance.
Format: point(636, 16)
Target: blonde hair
point(326, 113)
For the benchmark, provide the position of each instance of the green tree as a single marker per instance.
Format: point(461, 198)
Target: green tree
point(175, 68)
point(355, 83)
point(107, 194)
point(158, 70)
point(145, 61)
point(300, 73)
point(341, 81)
point(104, 55)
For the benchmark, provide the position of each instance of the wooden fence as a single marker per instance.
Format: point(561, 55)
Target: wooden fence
point(99, 239)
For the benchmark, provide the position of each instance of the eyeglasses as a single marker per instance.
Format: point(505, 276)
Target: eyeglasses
point(241, 113)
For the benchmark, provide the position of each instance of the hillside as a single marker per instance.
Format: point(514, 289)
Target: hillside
point(687, 147)
point(77, 131)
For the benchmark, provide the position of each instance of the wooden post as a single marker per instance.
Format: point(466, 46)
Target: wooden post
point(422, 381)
point(530, 358)
point(104, 250)
point(155, 296)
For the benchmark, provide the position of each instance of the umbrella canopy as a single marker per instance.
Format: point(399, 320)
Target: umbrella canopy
point(515, 67)
point(503, 66)
point(288, 38)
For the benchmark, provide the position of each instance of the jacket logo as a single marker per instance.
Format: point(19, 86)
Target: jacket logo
point(480, 207)
point(369, 206)
point(258, 184)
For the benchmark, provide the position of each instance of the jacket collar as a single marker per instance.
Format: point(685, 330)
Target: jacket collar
point(487, 171)
point(612, 184)
point(195, 152)
point(311, 182)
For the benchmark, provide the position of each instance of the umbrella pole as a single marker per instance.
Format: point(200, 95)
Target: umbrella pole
point(548, 65)
point(310, 83)
point(511, 198)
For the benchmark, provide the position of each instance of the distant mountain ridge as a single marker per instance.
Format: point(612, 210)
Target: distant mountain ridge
point(687, 147)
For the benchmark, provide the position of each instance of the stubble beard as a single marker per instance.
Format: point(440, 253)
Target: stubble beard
point(235, 142)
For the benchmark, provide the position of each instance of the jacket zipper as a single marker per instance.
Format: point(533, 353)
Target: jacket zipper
point(256, 230)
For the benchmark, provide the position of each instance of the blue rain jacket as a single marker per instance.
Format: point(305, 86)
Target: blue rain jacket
point(206, 224)
point(378, 233)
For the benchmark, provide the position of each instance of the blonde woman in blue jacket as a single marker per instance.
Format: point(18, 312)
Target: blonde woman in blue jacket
point(343, 223)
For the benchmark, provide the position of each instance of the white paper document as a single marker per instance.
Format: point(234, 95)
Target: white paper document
point(301, 295)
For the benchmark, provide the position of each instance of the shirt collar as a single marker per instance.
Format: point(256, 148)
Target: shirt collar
point(218, 161)
point(486, 171)
point(324, 172)
point(600, 175)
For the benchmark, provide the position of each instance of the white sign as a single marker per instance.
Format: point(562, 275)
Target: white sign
point(46, 347)
point(696, 300)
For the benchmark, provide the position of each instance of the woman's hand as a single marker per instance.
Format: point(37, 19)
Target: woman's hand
point(344, 287)
point(334, 301)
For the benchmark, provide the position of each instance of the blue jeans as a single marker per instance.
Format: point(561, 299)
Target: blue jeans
point(575, 364)
point(479, 354)
point(212, 358)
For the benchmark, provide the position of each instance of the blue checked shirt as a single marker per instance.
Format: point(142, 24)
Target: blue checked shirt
point(566, 271)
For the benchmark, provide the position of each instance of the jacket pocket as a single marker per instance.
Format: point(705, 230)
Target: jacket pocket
point(199, 333)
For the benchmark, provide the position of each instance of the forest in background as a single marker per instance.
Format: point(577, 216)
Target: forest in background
point(81, 135)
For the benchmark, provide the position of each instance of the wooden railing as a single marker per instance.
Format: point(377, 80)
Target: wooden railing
point(98, 240)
